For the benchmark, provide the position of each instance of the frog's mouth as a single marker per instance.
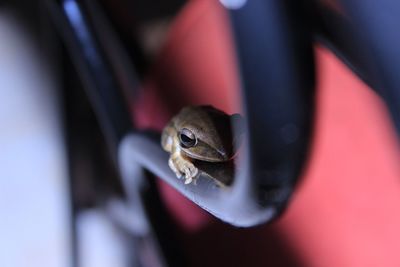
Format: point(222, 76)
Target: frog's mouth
point(206, 153)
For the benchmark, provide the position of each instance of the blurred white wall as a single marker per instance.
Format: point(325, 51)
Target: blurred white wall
point(34, 205)
point(34, 220)
point(100, 243)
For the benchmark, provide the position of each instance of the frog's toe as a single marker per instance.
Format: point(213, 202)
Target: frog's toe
point(190, 173)
point(188, 180)
point(194, 171)
point(173, 167)
point(185, 170)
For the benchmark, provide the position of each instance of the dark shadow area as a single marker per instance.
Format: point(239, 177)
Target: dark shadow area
point(220, 244)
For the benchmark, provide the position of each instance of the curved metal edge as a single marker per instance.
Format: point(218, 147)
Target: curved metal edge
point(364, 35)
point(96, 74)
point(145, 150)
point(274, 46)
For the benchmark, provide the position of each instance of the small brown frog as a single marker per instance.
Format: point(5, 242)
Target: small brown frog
point(199, 133)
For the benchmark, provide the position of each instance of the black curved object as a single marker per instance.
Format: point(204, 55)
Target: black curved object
point(98, 65)
point(277, 71)
point(364, 34)
point(94, 70)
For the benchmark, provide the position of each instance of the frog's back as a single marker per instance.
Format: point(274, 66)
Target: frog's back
point(201, 116)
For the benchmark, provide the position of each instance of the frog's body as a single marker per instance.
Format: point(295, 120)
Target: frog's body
point(197, 133)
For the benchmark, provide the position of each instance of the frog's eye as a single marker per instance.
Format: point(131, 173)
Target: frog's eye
point(187, 138)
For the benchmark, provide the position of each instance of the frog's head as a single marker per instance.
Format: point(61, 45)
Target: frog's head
point(208, 135)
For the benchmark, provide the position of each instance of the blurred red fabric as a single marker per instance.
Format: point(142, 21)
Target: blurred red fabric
point(346, 209)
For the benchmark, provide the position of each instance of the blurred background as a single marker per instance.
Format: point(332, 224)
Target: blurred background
point(58, 179)
point(34, 207)
point(35, 210)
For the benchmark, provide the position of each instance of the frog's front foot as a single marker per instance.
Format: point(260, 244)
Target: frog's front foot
point(183, 168)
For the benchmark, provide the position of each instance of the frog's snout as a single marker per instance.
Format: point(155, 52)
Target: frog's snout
point(223, 155)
